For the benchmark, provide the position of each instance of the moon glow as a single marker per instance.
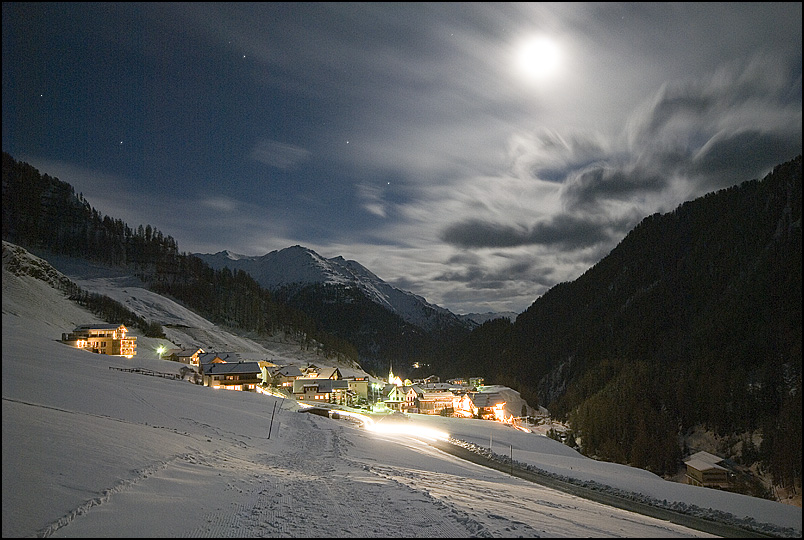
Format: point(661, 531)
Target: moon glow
point(538, 58)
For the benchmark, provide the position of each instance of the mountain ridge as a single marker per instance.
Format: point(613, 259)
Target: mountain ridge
point(693, 319)
point(297, 266)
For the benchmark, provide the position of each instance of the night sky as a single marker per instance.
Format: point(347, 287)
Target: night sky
point(474, 154)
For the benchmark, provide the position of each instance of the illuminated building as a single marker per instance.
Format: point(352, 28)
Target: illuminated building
point(185, 356)
point(111, 339)
point(243, 376)
point(322, 390)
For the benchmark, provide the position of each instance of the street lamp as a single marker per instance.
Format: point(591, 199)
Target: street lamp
point(375, 388)
point(160, 350)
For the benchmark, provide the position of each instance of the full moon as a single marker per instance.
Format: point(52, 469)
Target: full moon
point(538, 58)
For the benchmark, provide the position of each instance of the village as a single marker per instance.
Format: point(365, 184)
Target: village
point(318, 387)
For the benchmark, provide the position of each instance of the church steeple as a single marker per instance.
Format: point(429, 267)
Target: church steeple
point(393, 379)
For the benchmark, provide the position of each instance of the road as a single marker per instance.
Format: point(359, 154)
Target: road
point(694, 522)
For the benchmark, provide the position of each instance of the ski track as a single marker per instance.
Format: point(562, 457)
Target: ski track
point(106, 495)
point(352, 497)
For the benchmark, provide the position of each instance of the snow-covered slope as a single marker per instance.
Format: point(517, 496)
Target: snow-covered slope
point(183, 327)
point(90, 451)
point(298, 265)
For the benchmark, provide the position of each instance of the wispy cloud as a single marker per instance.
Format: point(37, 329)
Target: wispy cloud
point(500, 186)
point(372, 198)
point(219, 204)
point(278, 154)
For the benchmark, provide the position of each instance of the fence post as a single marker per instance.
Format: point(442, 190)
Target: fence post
point(512, 460)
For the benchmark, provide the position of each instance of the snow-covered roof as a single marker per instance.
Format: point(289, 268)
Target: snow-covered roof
point(328, 373)
point(438, 386)
point(322, 385)
point(206, 358)
point(99, 326)
point(437, 396)
point(483, 399)
point(703, 465)
point(182, 352)
point(704, 457)
point(231, 367)
point(287, 371)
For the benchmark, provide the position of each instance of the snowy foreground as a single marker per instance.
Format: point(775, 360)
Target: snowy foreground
point(92, 451)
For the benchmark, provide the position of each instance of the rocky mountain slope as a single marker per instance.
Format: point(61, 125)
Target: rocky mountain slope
point(296, 267)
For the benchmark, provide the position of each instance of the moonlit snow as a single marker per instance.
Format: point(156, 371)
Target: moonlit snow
point(93, 451)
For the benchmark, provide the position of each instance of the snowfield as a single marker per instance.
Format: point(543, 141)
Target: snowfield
point(93, 451)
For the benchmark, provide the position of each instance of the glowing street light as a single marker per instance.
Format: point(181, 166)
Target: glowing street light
point(161, 349)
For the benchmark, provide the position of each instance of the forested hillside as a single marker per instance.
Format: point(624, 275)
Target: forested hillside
point(44, 214)
point(694, 319)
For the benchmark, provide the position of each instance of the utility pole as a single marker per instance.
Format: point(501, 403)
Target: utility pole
point(272, 421)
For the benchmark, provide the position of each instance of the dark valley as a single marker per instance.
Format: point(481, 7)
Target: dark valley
point(693, 322)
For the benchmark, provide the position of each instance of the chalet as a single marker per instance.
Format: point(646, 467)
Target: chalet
point(279, 376)
point(111, 339)
point(464, 407)
point(485, 405)
point(232, 375)
point(412, 395)
point(185, 356)
point(706, 470)
point(436, 403)
point(394, 397)
point(315, 372)
point(311, 369)
point(321, 389)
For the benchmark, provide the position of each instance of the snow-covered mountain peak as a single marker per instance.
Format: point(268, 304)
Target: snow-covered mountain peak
point(299, 266)
point(231, 255)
